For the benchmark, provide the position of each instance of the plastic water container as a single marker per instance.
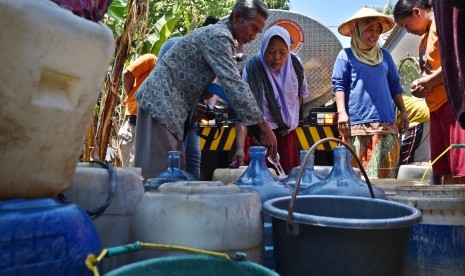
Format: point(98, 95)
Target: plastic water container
point(53, 67)
point(309, 176)
point(90, 189)
point(227, 175)
point(415, 172)
point(389, 185)
point(201, 214)
point(342, 180)
point(258, 178)
point(45, 237)
point(172, 173)
point(437, 244)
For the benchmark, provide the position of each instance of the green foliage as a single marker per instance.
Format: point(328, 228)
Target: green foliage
point(165, 29)
point(114, 17)
point(168, 18)
point(409, 70)
point(278, 4)
point(387, 10)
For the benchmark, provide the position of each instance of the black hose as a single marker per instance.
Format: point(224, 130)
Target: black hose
point(93, 214)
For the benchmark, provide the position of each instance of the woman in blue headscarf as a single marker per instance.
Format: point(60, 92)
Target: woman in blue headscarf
point(276, 78)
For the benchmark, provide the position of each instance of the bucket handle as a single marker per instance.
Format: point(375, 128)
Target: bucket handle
point(290, 216)
point(92, 261)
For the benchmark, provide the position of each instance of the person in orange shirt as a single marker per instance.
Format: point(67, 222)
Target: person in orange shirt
point(417, 17)
point(133, 77)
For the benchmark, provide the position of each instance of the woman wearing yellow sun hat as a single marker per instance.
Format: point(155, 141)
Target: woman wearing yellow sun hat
point(367, 88)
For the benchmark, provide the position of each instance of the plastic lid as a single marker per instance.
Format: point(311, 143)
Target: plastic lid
point(432, 191)
point(199, 187)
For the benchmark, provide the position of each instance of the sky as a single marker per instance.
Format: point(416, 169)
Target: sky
point(331, 13)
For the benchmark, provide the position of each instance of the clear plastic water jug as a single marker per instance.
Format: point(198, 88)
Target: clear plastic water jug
point(309, 176)
point(172, 174)
point(342, 180)
point(258, 178)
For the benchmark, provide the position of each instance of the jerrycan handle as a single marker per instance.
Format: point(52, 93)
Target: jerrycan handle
point(290, 217)
point(93, 214)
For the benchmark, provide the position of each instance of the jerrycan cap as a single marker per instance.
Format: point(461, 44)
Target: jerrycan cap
point(199, 187)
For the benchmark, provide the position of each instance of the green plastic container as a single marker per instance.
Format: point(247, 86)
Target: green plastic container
point(192, 265)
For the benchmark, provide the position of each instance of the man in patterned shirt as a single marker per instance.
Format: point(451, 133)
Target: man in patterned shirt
point(180, 77)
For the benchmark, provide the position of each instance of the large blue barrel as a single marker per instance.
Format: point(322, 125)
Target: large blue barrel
point(45, 237)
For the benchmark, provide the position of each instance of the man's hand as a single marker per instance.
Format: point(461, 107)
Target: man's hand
point(268, 139)
point(200, 111)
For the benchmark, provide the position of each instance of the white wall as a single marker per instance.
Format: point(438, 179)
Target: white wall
point(400, 43)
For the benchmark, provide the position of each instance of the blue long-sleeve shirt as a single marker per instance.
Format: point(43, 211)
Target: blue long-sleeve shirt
point(368, 89)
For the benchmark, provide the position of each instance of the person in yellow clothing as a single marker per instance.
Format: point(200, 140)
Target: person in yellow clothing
point(415, 142)
point(417, 17)
point(133, 77)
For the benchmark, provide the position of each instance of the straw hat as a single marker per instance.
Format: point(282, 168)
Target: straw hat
point(348, 27)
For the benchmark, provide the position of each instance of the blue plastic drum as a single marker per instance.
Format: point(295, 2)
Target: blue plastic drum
point(45, 237)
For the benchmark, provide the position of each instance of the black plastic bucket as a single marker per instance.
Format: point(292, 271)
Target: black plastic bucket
point(339, 235)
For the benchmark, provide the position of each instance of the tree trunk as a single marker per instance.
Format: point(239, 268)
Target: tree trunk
point(109, 98)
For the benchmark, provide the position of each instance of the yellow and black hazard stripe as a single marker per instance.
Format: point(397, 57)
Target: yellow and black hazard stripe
point(307, 136)
point(214, 138)
point(217, 138)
